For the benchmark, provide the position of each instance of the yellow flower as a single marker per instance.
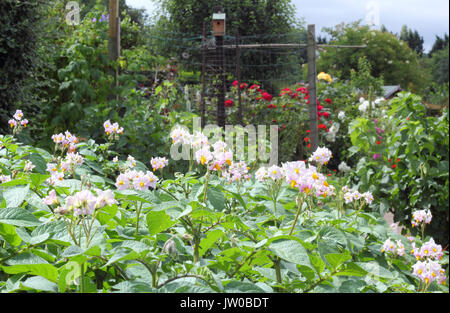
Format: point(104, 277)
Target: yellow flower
point(325, 76)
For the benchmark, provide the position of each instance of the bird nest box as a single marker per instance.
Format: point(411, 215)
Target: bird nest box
point(218, 24)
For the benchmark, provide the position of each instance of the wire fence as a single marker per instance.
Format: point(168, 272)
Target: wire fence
point(200, 62)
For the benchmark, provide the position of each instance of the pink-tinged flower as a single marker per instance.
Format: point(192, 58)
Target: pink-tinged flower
point(376, 156)
point(275, 172)
point(51, 199)
point(421, 217)
point(58, 138)
point(400, 248)
point(243, 86)
point(122, 182)
point(28, 166)
point(179, 135)
point(5, 178)
point(204, 155)
point(52, 167)
point(24, 122)
point(388, 246)
point(104, 198)
point(235, 83)
point(261, 174)
point(141, 183)
point(18, 115)
point(159, 163)
point(368, 197)
point(12, 123)
point(151, 179)
point(321, 156)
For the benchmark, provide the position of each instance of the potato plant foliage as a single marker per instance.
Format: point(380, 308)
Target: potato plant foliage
point(84, 231)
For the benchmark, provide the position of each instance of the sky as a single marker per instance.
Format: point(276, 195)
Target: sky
point(429, 18)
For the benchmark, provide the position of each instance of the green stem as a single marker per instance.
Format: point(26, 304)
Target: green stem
point(206, 185)
point(82, 284)
point(296, 216)
point(277, 265)
point(138, 213)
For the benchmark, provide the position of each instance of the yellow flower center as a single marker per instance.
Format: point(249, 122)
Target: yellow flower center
point(203, 160)
point(315, 176)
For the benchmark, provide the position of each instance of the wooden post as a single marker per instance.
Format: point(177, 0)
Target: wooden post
point(202, 105)
point(238, 77)
point(221, 82)
point(312, 76)
point(114, 37)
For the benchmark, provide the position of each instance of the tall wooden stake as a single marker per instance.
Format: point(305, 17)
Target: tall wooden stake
point(202, 105)
point(221, 82)
point(238, 77)
point(114, 37)
point(312, 76)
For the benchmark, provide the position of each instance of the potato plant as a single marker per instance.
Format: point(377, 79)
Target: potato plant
point(82, 219)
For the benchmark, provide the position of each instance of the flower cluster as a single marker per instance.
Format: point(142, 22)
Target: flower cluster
point(17, 122)
point(113, 130)
point(395, 248)
point(159, 163)
point(355, 195)
point(66, 140)
point(83, 202)
point(298, 175)
point(421, 217)
point(136, 180)
point(229, 103)
point(66, 165)
point(5, 178)
point(428, 271)
point(429, 250)
point(321, 156)
point(237, 171)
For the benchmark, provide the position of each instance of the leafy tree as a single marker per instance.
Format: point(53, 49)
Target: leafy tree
point(414, 40)
point(19, 30)
point(388, 56)
point(439, 44)
point(439, 65)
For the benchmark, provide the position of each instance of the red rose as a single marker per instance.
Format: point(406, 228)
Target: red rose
point(267, 96)
point(378, 142)
point(229, 103)
point(319, 108)
point(322, 126)
point(308, 131)
point(309, 145)
point(327, 100)
point(307, 139)
point(243, 85)
point(271, 106)
point(235, 83)
point(394, 165)
point(326, 114)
